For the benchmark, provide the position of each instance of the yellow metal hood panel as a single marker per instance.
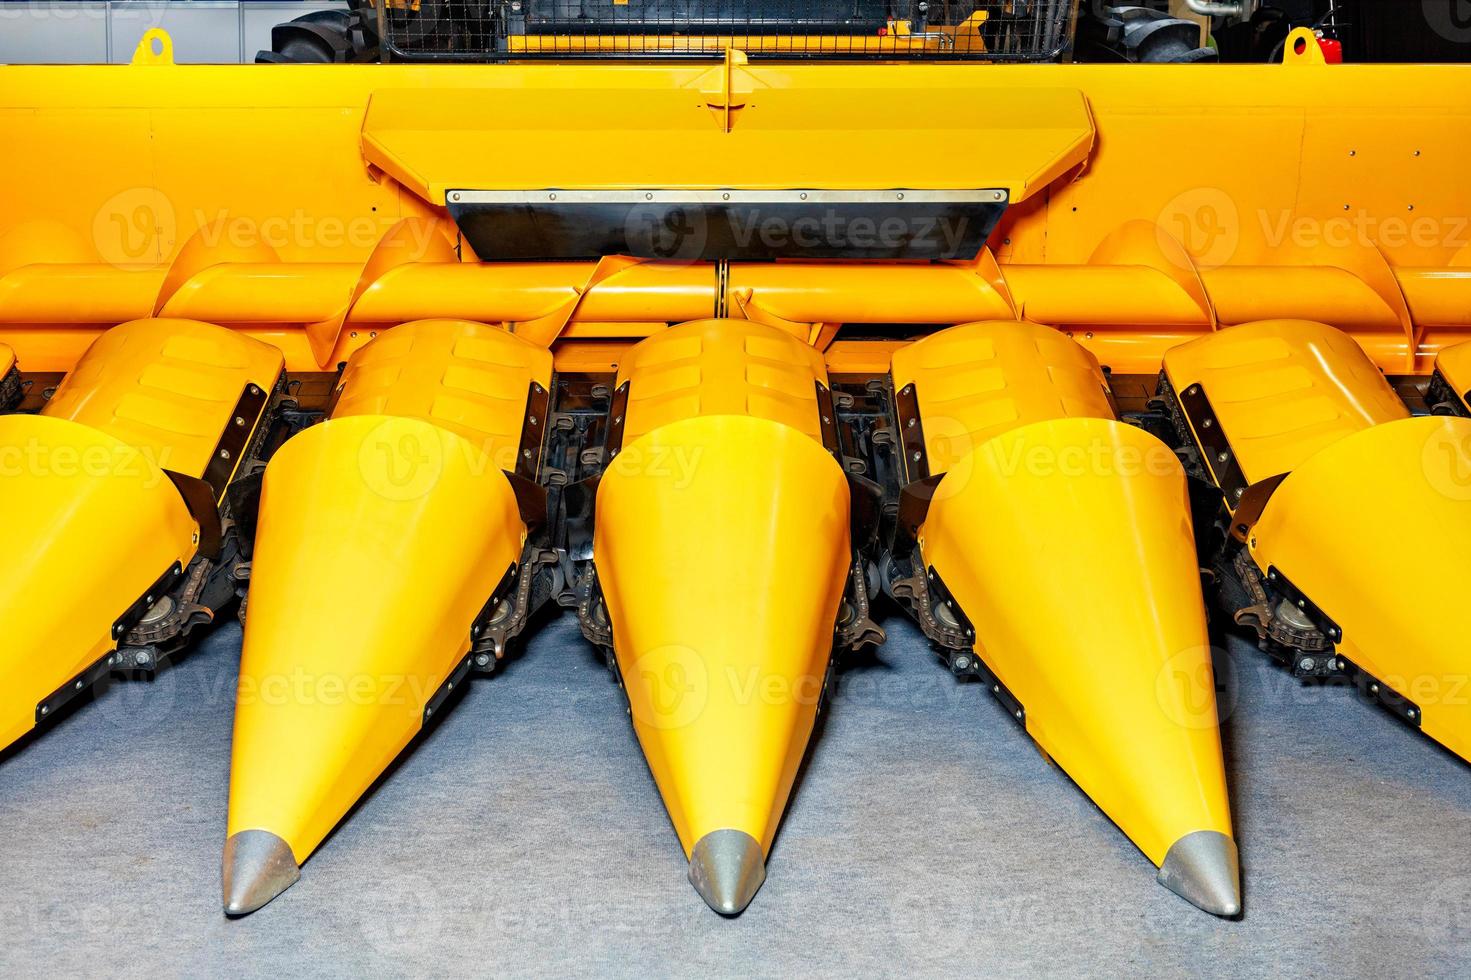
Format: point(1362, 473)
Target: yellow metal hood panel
point(722, 581)
point(839, 139)
point(1338, 528)
point(1067, 544)
point(90, 524)
point(380, 540)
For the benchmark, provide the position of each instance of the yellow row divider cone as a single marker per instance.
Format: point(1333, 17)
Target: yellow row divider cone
point(382, 534)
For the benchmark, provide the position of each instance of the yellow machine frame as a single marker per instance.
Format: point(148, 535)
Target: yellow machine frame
point(1135, 209)
point(1147, 204)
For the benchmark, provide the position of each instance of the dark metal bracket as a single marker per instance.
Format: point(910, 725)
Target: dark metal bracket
point(914, 507)
point(999, 691)
point(911, 433)
point(939, 596)
point(203, 506)
point(1215, 448)
point(76, 687)
point(533, 432)
point(967, 662)
point(531, 500)
point(204, 496)
point(1253, 501)
point(1373, 688)
point(1293, 594)
point(143, 603)
point(456, 679)
point(827, 421)
point(919, 487)
point(230, 450)
point(617, 416)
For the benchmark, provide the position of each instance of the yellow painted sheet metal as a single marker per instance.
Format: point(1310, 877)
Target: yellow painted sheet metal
point(93, 518)
point(434, 140)
point(168, 387)
point(1282, 390)
point(381, 537)
point(1064, 538)
point(90, 525)
point(1336, 195)
point(1454, 365)
point(1067, 543)
point(862, 356)
point(978, 380)
point(379, 542)
point(467, 378)
point(1338, 527)
point(722, 367)
point(838, 292)
point(722, 548)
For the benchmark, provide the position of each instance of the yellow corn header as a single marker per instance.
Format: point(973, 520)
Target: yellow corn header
point(718, 355)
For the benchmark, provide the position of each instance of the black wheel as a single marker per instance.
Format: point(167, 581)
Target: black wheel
point(1137, 34)
point(322, 37)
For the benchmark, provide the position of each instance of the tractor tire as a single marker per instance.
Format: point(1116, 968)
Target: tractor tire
point(1139, 35)
point(322, 37)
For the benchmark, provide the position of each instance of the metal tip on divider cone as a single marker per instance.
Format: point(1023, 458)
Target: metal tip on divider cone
point(1203, 869)
point(727, 868)
point(257, 867)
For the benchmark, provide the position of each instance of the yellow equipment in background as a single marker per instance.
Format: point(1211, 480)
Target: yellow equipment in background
point(672, 344)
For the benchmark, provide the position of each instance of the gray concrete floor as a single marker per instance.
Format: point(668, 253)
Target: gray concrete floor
point(524, 836)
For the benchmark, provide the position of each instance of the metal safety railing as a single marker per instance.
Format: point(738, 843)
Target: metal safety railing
point(502, 30)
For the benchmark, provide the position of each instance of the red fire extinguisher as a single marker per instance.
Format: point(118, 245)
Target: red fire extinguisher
point(1332, 48)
